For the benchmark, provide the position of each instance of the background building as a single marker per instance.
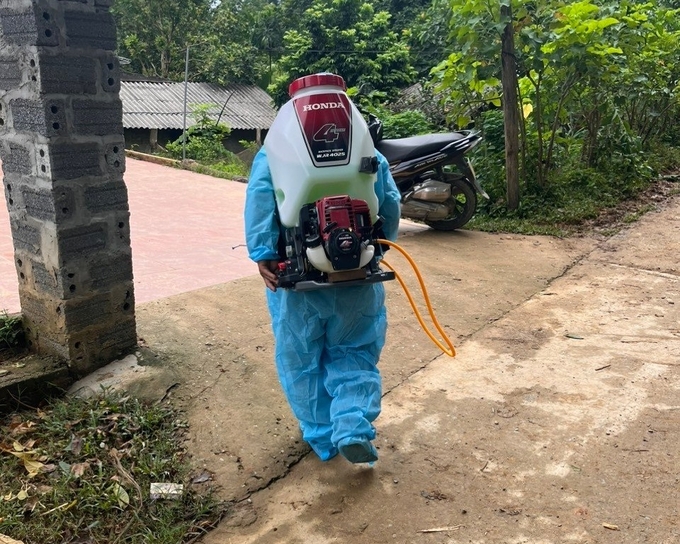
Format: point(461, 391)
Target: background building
point(153, 111)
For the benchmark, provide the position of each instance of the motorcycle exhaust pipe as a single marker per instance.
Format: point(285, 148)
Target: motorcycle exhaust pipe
point(424, 211)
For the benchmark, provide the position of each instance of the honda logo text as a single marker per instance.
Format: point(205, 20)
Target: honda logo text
point(323, 106)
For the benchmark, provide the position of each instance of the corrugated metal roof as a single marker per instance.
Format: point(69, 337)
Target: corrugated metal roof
point(161, 105)
point(133, 76)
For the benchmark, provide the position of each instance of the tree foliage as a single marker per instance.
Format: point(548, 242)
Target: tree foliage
point(235, 44)
point(347, 37)
point(227, 40)
point(154, 33)
point(600, 76)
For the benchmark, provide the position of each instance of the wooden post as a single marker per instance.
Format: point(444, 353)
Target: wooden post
point(510, 109)
point(153, 138)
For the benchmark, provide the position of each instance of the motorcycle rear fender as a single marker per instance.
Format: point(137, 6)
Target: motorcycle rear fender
point(466, 168)
point(411, 167)
point(463, 145)
point(452, 152)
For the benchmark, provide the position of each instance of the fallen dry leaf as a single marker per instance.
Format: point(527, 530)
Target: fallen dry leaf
point(78, 469)
point(33, 467)
point(21, 427)
point(121, 495)
point(4, 539)
point(76, 445)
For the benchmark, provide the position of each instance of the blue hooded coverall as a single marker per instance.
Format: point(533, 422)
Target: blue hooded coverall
point(328, 341)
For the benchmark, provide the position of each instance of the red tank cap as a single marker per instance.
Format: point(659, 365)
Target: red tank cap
point(316, 80)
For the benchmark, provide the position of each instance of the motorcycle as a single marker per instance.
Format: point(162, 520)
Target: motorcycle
point(432, 190)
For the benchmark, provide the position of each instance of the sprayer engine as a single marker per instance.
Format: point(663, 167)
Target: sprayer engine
point(334, 245)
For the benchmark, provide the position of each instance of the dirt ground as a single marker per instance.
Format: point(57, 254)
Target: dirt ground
point(557, 421)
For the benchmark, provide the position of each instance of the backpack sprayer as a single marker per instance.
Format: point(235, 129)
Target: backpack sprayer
point(323, 165)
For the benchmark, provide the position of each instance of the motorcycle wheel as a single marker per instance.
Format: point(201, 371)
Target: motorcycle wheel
point(463, 204)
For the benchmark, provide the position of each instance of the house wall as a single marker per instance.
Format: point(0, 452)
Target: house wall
point(139, 139)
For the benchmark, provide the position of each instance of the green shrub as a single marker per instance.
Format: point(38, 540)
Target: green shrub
point(11, 332)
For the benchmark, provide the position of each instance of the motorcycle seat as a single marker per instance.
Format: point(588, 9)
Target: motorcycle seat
point(403, 149)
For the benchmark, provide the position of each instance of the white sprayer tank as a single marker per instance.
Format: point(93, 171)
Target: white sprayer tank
point(319, 146)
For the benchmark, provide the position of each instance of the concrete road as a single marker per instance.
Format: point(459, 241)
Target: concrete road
point(557, 421)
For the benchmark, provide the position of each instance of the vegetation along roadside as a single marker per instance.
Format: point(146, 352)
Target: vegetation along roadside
point(82, 470)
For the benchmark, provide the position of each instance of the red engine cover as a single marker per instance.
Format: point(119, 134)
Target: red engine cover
point(342, 212)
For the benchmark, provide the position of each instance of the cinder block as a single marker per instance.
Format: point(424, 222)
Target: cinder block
point(25, 237)
point(121, 239)
point(17, 159)
point(10, 74)
point(119, 337)
point(68, 74)
point(64, 202)
point(34, 26)
point(114, 270)
point(115, 157)
point(39, 204)
point(94, 347)
point(41, 156)
point(91, 117)
point(81, 241)
point(52, 346)
point(109, 196)
point(83, 312)
point(96, 30)
point(3, 120)
point(46, 281)
point(47, 118)
point(35, 310)
point(7, 182)
point(110, 74)
point(75, 160)
point(69, 279)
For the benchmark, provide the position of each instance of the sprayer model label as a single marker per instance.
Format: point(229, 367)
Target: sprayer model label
point(326, 123)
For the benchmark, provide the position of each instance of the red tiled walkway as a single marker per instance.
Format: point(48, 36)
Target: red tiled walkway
point(186, 228)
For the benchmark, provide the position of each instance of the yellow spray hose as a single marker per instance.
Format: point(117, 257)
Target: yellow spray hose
point(448, 349)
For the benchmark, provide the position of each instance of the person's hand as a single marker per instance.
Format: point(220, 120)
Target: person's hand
point(268, 272)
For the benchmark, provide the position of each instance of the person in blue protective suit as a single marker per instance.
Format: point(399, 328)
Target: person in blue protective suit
point(328, 341)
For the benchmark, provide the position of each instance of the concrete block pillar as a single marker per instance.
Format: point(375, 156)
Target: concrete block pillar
point(63, 156)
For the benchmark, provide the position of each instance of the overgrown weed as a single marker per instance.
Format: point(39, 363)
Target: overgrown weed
point(80, 470)
point(11, 332)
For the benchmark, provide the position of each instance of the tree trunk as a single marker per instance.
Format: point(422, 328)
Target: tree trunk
point(510, 110)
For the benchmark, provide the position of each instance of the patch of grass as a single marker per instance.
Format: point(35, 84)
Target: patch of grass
point(223, 169)
point(565, 209)
point(637, 214)
point(80, 471)
point(11, 332)
point(486, 223)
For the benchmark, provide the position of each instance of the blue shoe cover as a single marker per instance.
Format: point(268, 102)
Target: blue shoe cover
point(326, 455)
point(358, 450)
